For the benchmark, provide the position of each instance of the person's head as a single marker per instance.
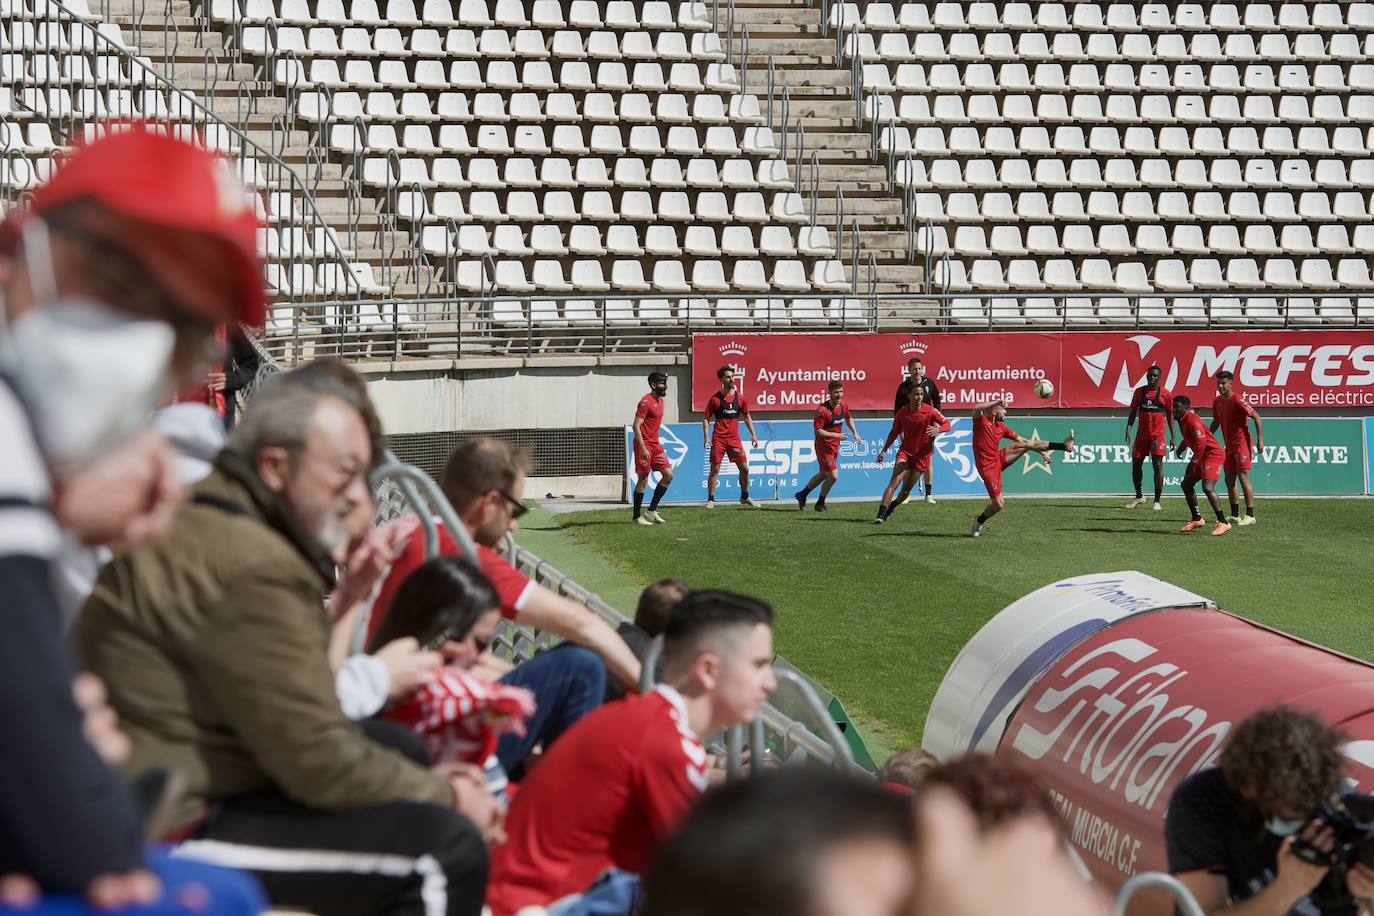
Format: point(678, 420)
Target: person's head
point(1283, 762)
point(113, 281)
point(804, 842)
point(915, 369)
point(835, 391)
point(483, 480)
point(309, 444)
point(915, 396)
point(656, 604)
point(1181, 405)
point(997, 789)
point(1152, 376)
point(335, 376)
point(658, 384)
point(448, 606)
point(1226, 383)
point(720, 645)
point(726, 376)
point(999, 411)
point(907, 768)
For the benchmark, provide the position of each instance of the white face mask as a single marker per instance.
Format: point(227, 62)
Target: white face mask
point(89, 374)
point(1279, 826)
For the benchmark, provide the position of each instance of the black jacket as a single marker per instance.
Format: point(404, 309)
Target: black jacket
point(241, 364)
point(904, 394)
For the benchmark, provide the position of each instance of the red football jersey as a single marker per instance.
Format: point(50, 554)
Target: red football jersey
point(650, 410)
point(1199, 438)
point(605, 795)
point(1234, 415)
point(987, 440)
point(512, 586)
point(1153, 406)
point(913, 425)
point(459, 716)
point(832, 421)
point(726, 413)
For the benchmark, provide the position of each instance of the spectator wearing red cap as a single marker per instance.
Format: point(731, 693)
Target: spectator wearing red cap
point(111, 285)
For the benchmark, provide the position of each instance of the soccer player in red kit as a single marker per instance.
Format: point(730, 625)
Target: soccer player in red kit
point(618, 783)
point(1233, 416)
point(989, 429)
point(1208, 458)
point(829, 420)
point(726, 407)
point(1153, 403)
point(649, 453)
point(918, 423)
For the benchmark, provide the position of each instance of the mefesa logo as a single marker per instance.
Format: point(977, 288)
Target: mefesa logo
point(1131, 374)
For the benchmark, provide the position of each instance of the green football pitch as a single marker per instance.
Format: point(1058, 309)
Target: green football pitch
point(877, 613)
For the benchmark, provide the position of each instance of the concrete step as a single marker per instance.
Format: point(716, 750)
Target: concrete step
point(837, 80)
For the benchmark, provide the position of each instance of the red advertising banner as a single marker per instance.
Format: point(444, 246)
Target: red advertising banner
point(1273, 368)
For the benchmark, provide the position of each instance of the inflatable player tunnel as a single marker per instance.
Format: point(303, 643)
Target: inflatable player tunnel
point(1115, 687)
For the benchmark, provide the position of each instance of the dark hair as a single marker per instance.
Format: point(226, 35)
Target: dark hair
point(656, 604)
point(1225, 374)
point(720, 373)
point(1154, 367)
point(479, 466)
point(655, 377)
point(702, 613)
point(998, 789)
point(919, 391)
point(907, 767)
point(915, 360)
point(1284, 761)
point(835, 384)
point(1182, 400)
point(443, 597)
point(755, 847)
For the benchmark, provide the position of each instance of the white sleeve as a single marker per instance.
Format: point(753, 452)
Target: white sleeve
point(362, 685)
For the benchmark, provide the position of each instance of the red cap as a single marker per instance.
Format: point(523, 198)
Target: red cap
point(141, 172)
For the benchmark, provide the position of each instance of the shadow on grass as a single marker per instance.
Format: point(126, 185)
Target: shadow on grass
point(1119, 530)
point(917, 534)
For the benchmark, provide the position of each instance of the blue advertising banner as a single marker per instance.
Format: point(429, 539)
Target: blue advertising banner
point(1369, 455)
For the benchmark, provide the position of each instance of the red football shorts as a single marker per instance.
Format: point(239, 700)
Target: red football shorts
point(919, 462)
point(992, 478)
point(657, 460)
point(828, 456)
point(732, 448)
point(1238, 459)
point(1147, 445)
point(1206, 467)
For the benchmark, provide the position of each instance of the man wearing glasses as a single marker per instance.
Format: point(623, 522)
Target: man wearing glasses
point(481, 480)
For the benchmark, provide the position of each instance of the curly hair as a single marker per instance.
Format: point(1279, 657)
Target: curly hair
point(998, 789)
point(1284, 761)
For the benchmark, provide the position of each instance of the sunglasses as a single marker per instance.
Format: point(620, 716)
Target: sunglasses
point(517, 507)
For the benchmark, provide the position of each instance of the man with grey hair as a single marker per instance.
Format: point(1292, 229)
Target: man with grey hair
point(214, 643)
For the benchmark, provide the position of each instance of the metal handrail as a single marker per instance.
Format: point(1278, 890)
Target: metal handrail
point(839, 219)
point(833, 736)
point(771, 79)
point(1187, 903)
point(854, 255)
point(856, 80)
point(744, 50)
point(815, 185)
point(801, 143)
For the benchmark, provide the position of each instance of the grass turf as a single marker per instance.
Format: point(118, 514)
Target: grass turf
point(877, 613)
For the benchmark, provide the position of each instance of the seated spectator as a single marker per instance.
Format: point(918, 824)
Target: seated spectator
point(213, 641)
point(112, 281)
point(805, 842)
point(906, 769)
point(447, 606)
point(479, 480)
point(656, 603)
point(1230, 829)
point(617, 784)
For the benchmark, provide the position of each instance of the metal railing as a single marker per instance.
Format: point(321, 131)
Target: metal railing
point(1187, 903)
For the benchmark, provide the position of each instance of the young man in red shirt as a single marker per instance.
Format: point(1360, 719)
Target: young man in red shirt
point(726, 407)
point(829, 420)
point(1152, 402)
point(620, 781)
point(1208, 458)
point(649, 453)
point(1233, 416)
point(918, 423)
point(989, 429)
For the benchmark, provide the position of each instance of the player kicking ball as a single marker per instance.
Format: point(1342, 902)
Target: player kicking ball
point(724, 411)
point(1233, 416)
point(1208, 458)
point(918, 424)
point(829, 434)
point(649, 453)
point(989, 429)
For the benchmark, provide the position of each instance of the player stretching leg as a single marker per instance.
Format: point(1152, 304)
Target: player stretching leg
point(1231, 413)
point(649, 453)
point(989, 429)
point(1152, 402)
point(829, 434)
point(919, 424)
point(1208, 458)
point(725, 408)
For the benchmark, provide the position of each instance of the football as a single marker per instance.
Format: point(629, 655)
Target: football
point(1044, 388)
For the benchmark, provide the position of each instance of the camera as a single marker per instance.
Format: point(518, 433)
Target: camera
point(1351, 819)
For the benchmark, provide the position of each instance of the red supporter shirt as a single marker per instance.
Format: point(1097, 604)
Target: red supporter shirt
point(913, 426)
point(1153, 406)
point(1199, 438)
point(612, 788)
point(650, 410)
point(1234, 415)
point(987, 440)
point(832, 421)
point(512, 586)
point(459, 716)
point(726, 413)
